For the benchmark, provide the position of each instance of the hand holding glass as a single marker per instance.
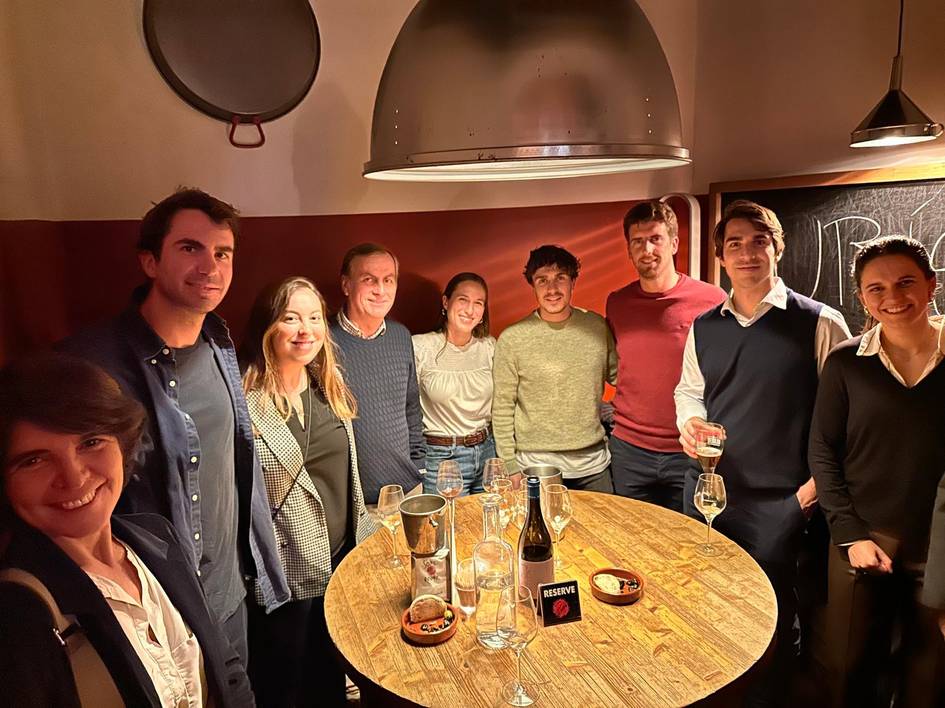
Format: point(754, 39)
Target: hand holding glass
point(517, 625)
point(709, 499)
point(388, 511)
point(710, 439)
point(556, 508)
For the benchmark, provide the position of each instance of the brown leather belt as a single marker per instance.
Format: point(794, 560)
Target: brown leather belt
point(465, 440)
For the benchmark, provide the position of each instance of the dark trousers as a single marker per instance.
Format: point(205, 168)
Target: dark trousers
point(600, 482)
point(294, 662)
point(770, 527)
point(235, 630)
point(879, 641)
point(647, 475)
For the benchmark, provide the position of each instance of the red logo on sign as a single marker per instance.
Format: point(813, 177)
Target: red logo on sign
point(560, 608)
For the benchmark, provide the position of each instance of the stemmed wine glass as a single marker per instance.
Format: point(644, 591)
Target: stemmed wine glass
point(388, 512)
point(709, 498)
point(556, 508)
point(493, 469)
point(517, 625)
point(503, 488)
point(710, 439)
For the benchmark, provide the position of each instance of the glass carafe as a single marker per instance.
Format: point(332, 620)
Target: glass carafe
point(493, 561)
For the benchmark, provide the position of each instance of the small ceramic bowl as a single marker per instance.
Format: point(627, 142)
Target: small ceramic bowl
point(437, 631)
point(628, 593)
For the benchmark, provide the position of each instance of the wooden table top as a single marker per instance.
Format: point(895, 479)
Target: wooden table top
point(701, 623)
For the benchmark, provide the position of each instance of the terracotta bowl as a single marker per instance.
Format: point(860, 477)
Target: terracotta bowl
point(437, 634)
point(626, 595)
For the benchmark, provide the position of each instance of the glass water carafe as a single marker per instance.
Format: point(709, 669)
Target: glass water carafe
point(493, 561)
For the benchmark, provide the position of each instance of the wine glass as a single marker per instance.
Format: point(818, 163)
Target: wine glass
point(709, 498)
point(388, 512)
point(449, 480)
point(465, 583)
point(556, 508)
point(493, 469)
point(710, 439)
point(517, 625)
point(503, 487)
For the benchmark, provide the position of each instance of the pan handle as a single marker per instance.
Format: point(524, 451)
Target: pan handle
point(234, 122)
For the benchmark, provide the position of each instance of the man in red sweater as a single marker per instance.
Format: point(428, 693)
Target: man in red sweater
point(650, 319)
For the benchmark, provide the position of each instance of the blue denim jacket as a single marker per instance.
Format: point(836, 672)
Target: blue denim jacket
point(164, 480)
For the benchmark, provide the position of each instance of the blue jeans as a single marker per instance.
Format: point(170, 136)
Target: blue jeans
point(655, 477)
point(470, 460)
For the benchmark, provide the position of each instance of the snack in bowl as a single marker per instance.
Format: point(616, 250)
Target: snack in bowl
point(614, 585)
point(617, 586)
point(427, 607)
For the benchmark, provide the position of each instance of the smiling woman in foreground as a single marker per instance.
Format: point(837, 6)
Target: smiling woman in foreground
point(67, 439)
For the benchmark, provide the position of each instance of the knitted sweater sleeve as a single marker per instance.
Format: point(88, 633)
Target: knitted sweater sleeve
point(505, 381)
point(826, 451)
point(415, 415)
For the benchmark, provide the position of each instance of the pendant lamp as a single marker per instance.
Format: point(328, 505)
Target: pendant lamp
point(895, 120)
point(524, 89)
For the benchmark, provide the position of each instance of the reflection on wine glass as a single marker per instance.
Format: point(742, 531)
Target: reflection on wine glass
point(449, 480)
point(710, 439)
point(503, 488)
point(709, 498)
point(388, 512)
point(493, 469)
point(465, 583)
point(556, 508)
point(517, 625)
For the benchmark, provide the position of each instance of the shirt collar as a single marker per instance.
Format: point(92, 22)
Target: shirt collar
point(776, 297)
point(351, 328)
point(147, 344)
point(871, 343)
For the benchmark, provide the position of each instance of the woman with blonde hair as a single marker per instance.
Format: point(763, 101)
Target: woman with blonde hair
point(301, 411)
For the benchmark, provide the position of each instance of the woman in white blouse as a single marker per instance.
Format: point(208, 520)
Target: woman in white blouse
point(454, 368)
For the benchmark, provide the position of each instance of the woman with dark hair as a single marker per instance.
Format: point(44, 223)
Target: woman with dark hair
point(454, 368)
point(877, 454)
point(67, 442)
point(301, 411)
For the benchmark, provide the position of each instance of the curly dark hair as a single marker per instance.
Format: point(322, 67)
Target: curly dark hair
point(551, 256)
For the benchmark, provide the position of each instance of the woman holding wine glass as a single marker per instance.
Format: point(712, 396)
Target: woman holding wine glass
point(301, 411)
point(454, 370)
point(877, 455)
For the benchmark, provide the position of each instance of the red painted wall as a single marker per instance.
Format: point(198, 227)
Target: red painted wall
point(56, 277)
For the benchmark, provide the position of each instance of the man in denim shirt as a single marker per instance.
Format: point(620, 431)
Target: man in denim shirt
point(197, 465)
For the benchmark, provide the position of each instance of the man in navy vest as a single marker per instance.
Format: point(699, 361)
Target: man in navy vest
point(752, 364)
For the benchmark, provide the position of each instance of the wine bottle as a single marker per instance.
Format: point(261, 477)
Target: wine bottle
point(536, 562)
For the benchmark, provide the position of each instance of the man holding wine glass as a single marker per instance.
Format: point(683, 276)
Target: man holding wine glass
point(752, 365)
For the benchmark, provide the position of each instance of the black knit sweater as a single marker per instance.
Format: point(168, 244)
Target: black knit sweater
point(877, 450)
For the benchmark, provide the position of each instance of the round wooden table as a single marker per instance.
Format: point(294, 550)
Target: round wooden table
point(701, 623)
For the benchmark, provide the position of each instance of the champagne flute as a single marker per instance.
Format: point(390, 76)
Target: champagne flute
point(709, 498)
point(710, 439)
point(493, 469)
point(388, 511)
point(465, 583)
point(517, 625)
point(556, 507)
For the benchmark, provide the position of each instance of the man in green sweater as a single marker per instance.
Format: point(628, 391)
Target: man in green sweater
point(549, 373)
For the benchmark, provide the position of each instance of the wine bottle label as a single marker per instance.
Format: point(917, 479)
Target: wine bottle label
point(533, 573)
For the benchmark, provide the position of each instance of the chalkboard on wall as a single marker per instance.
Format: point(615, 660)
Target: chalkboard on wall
point(826, 218)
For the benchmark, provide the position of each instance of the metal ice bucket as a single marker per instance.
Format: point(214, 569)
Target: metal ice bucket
point(546, 474)
point(427, 531)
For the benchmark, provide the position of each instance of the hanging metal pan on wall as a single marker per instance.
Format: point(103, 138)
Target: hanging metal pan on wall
point(242, 61)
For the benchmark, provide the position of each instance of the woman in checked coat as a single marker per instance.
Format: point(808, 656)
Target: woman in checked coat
point(301, 411)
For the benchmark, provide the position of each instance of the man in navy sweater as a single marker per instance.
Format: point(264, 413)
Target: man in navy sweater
point(752, 365)
point(377, 357)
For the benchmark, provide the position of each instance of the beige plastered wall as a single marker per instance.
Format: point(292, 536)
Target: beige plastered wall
point(90, 130)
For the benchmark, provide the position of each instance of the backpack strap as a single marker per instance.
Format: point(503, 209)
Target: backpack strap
point(93, 681)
